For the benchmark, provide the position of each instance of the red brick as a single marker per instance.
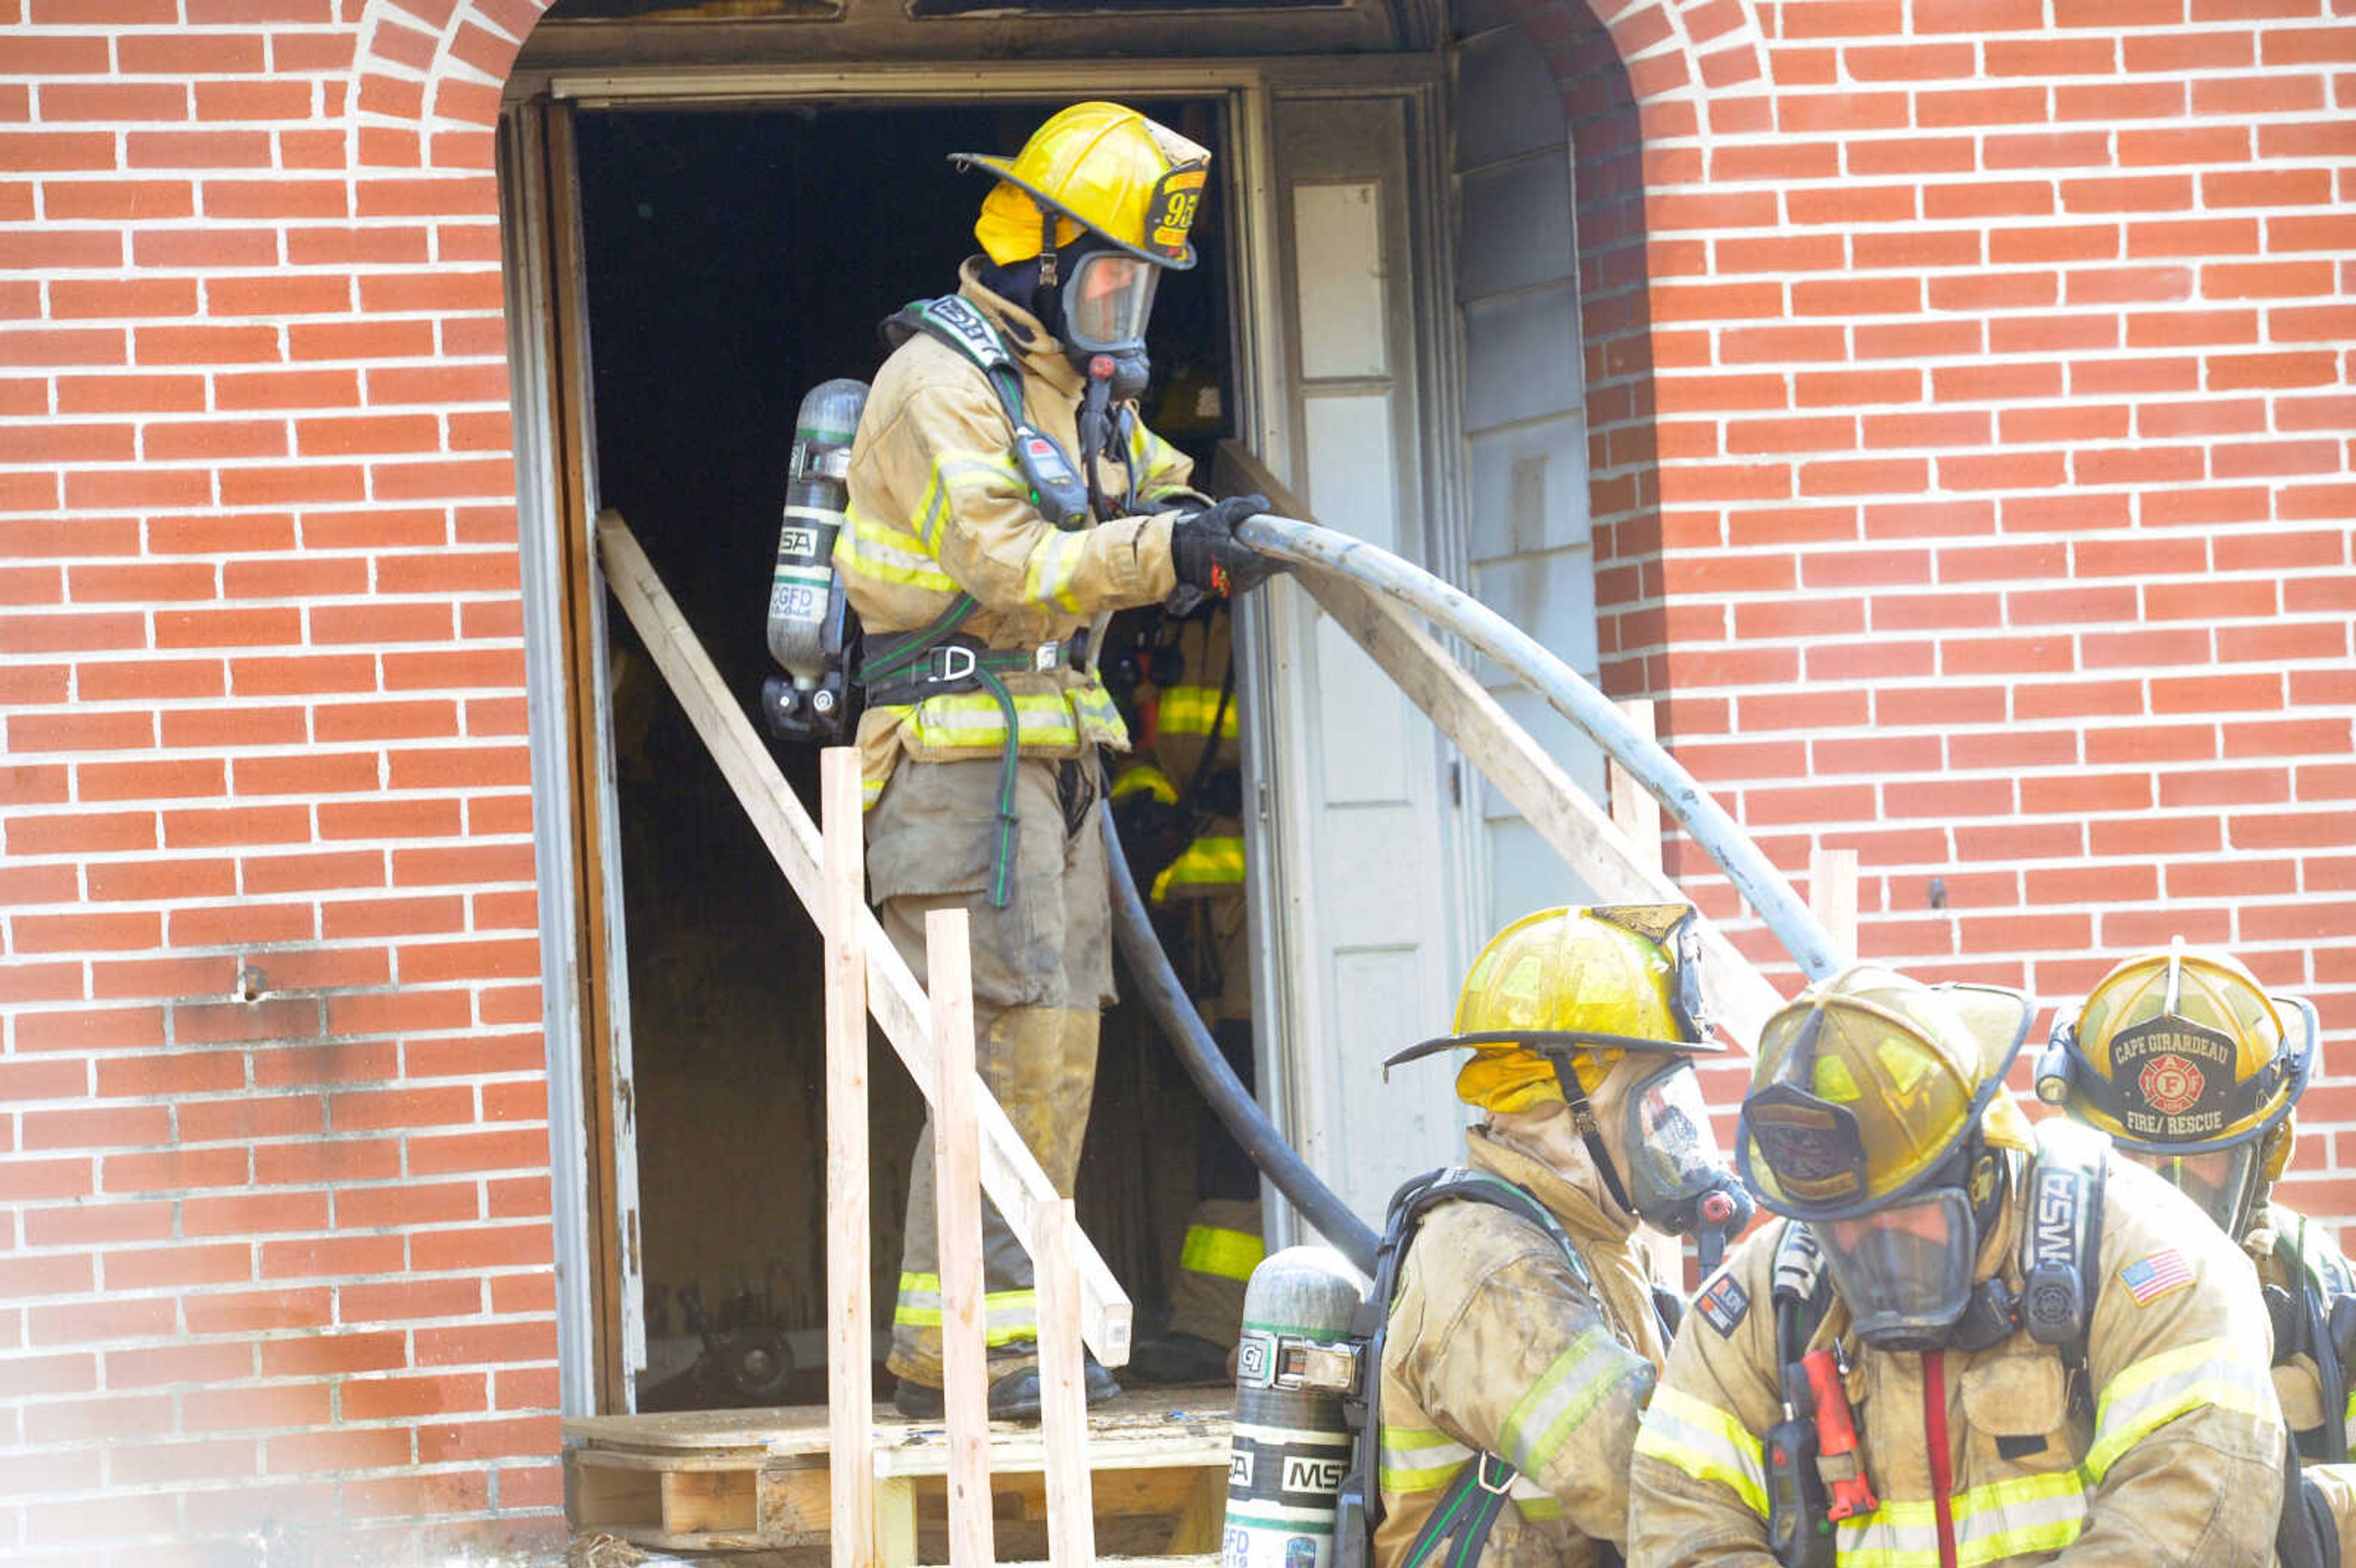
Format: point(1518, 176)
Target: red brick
point(274, 1116)
point(175, 1170)
point(441, 1443)
point(312, 1160)
point(333, 1256)
point(182, 1263)
point(162, 1464)
point(128, 930)
point(357, 1448)
point(249, 1312)
point(2209, 600)
point(255, 1214)
point(2238, 878)
point(468, 1152)
point(521, 1292)
point(437, 1492)
point(403, 1108)
point(482, 1247)
point(180, 1072)
point(2217, 693)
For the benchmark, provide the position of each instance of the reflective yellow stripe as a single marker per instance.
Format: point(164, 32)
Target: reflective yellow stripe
point(1706, 1443)
point(1565, 1394)
point(919, 1303)
point(2158, 1388)
point(1208, 862)
point(876, 550)
point(1418, 1458)
point(884, 554)
point(1093, 706)
point(1993, 1524)
point(2020, 1515)
point(1230, 1254)
point(1054, 566)
point(1188, 709)
point(1145, 779)
point(1008, 1315)
point(973, 719)
point(1152, 458)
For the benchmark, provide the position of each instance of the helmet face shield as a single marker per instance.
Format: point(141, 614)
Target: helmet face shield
point(1107, 301)
point(1905, 1271)
point(1866, 1083)
point(2218, 1179)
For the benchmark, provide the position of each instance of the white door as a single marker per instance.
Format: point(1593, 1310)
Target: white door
point(1366, 960)
point(1528, 536)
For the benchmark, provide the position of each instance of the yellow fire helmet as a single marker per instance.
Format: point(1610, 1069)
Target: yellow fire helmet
point(1866, 1083)
point(1098, 167)
point(2179, 1052)
point(1602, 981)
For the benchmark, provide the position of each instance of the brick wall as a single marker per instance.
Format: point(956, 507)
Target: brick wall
point(274, 1241)
point(1996, 354)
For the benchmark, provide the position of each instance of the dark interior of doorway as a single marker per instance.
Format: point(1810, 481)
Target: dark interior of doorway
point(734, 259)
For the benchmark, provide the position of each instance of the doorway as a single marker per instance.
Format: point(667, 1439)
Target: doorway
point(733, 258)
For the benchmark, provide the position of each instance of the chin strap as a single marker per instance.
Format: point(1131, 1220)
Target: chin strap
point(1582, 1116)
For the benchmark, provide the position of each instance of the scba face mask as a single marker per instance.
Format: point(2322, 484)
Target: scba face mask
point(1905, 1271)
point(2219, 1180)
point(1666, 1148)
point(1106, 303)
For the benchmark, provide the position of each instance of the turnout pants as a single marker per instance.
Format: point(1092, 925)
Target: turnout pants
point(1041, 977)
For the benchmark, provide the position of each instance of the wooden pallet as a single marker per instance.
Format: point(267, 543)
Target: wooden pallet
point(745, 1480)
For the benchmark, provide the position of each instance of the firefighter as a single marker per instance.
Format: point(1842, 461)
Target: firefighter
point(2008, 1347)
point(1522, 1341)
point(1192, 782)
point(1004, 499)
point(2191, 1069)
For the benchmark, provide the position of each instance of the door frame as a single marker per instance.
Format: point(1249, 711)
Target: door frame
point(601, 1335)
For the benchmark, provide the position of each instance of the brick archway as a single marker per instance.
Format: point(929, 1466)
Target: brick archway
point(1687, 62)
point(426, 78)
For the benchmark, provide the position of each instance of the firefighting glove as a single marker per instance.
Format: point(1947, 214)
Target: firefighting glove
point(1210, 559)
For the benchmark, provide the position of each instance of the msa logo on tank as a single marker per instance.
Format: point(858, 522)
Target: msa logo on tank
point(2184, 1076)
point(1305, 1473)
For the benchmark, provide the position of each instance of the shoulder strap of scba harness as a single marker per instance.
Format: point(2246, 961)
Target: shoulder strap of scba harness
point(1057, 487)
point(954, 320)
point(1460, 1522)
point(2062, 1246)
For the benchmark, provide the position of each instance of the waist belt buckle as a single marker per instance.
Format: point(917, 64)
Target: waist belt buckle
point(952, 661)
point(1047, 657)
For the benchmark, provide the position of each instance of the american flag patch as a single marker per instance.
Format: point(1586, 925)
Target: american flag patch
point(2154, 1275)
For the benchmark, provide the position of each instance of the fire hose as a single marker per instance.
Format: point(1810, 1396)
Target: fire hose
point(1306, 544)
point(1510, 648)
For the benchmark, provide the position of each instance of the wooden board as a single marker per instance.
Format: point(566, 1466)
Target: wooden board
point(717, 1481)
point(786, 1430)
point(1009, 1174)
point(1580, 831)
